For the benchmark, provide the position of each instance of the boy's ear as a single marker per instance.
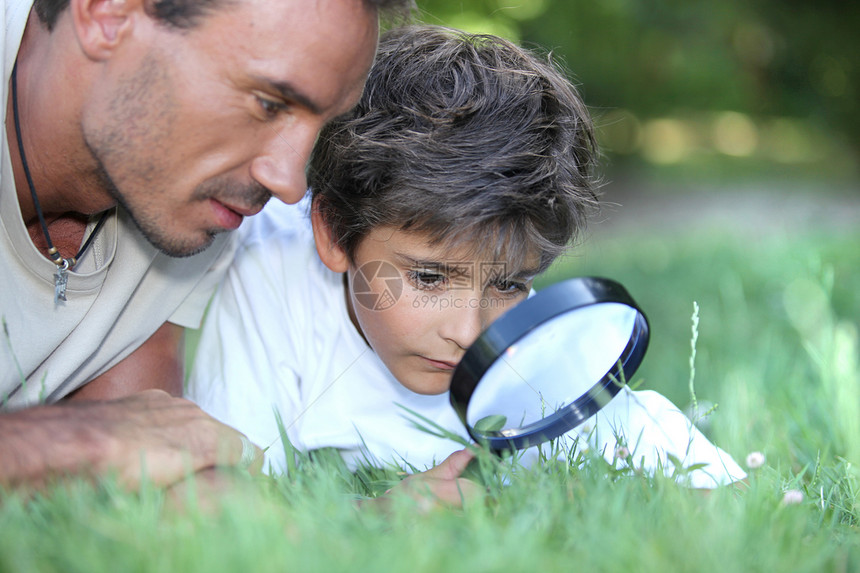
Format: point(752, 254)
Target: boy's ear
point(330, 253)
point(100, 25)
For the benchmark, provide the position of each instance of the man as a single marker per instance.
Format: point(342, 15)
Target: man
point(185, 115)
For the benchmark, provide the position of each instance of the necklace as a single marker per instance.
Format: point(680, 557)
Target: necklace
point(63, 265)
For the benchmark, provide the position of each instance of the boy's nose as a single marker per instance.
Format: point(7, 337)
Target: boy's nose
point(281, 165)
point(463, 322)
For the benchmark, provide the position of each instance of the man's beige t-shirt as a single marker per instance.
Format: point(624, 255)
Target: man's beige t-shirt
point(122, 289)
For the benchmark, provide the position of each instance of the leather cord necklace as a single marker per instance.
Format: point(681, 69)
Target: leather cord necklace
point(63, 265)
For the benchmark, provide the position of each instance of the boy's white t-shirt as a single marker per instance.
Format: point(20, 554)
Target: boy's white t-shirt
point(278, 338)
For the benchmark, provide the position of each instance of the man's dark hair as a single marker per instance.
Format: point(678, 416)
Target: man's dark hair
point(469, 139)
point(186, 13)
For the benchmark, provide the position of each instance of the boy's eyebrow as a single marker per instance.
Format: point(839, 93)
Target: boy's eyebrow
point(523, 275)
point(432, 264)
point(289, 92)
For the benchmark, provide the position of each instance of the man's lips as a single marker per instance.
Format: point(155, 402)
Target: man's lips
point(231, 216)
point(244, 211)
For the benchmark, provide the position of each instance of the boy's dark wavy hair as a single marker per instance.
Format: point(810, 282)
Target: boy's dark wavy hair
point(186, 13)
point(467, 138)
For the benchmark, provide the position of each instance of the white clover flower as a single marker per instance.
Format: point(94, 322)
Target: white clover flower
point(792, 497)
point(755, 460)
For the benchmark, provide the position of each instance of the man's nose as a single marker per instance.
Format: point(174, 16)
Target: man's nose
point(280, 167)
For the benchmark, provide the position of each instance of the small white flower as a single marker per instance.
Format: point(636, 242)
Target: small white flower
point(621, 452)
point(755, 460)
point(792, 497)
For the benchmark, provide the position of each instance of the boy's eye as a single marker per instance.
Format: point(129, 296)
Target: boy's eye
point(511, 287)
point(424, 279)
point(270, 107)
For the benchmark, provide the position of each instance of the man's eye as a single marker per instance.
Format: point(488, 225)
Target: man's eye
point(426, 280)
point(270, 107)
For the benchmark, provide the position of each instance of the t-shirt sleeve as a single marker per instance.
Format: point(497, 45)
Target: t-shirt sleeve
point(245, 363)
point(652, 429)
point(190, 313)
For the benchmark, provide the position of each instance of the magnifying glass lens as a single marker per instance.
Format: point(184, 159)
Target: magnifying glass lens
point(549, 363)
point(550, 367)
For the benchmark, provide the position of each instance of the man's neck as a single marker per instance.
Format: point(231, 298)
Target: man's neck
point(52, 141)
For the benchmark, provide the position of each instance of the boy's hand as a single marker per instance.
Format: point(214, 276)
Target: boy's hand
point(438, 486)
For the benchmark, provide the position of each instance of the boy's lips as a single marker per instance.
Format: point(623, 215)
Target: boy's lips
point(440, 364)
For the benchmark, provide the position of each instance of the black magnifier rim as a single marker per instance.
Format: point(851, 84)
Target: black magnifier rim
point(553, 301)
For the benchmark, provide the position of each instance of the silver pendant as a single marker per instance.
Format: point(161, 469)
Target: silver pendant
point(61, 279)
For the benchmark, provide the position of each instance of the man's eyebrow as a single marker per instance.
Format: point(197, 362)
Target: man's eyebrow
point(289, 92)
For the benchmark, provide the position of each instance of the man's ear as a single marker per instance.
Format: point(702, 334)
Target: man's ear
point(329, 251)
point(100, 25)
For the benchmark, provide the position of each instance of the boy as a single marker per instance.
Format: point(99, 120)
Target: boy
point(465, 170)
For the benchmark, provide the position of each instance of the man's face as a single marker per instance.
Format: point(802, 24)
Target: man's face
point(420, 306)
point(194, 129)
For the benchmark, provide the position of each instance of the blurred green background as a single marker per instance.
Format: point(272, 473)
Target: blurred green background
point(690, 88)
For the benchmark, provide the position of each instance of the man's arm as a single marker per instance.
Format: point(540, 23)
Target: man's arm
point(158, 363)
point(150, 435)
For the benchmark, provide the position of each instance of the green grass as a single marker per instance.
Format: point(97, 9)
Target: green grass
point(777, 346)
point(777, 352)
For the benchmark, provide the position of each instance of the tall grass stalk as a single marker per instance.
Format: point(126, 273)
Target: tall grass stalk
point(693, 338)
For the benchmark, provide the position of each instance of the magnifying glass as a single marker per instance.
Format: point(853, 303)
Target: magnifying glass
point(549, 363)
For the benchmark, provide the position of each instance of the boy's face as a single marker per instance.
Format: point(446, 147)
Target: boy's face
point(420, 306)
